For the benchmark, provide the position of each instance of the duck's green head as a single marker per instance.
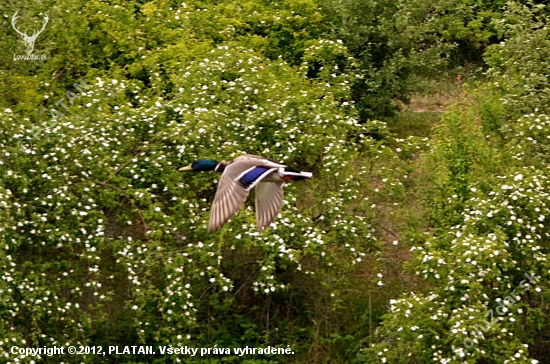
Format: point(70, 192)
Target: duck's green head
point(201, 165)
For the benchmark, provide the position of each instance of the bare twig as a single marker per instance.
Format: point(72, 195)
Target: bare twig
point(246, 281)
point(122, 167)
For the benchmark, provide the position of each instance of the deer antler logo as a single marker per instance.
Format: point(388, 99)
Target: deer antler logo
point(29, 40)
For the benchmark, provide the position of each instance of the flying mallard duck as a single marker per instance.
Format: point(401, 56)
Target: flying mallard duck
point(238, 178)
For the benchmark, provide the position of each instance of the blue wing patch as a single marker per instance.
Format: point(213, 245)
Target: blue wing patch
point(252, 176)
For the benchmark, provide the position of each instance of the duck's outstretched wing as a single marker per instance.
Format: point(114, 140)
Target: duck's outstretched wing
point(238, 178)
point(269, 199)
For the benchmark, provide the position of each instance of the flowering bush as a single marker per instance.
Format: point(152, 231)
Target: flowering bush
point(485, 266)
point(105, 241)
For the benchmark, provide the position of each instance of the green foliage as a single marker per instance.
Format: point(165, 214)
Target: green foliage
point(391, 42)
point(472, 268)
point(462, 157)
point(520, 63)
point(105, 243)
point(485, 266)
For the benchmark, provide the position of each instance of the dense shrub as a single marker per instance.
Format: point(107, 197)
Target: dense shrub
point(486, 265)
point(105, 241)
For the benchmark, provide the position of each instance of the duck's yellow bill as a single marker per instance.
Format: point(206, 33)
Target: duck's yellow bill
point(186, 168)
